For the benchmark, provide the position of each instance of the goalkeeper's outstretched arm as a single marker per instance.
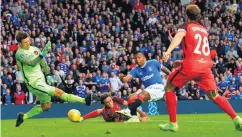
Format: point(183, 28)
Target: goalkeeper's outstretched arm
point(27, 61)
point(45, 67)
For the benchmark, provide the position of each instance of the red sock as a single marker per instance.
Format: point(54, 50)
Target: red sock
point(224, 104)
point(130, 101)
point(141, 98)
point(91, 115)
point(171, 105)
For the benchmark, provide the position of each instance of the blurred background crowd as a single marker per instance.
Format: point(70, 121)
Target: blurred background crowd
point(95, 40)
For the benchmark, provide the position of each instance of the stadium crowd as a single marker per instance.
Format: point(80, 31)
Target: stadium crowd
point(95, 40)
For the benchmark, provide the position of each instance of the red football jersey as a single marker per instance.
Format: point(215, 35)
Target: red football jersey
point(109, 113)
point(195, 46)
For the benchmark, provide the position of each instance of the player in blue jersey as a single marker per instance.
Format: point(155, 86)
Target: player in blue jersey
point(149, 73)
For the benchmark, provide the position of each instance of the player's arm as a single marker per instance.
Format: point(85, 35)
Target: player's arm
point(129, 77)
point(165, 70)
point(125, 79)
point(120, 101)
point(22, 58)
point(142, 114)
point(174, 43)
point(161, 67)
point(45, 67)
point(92, 114)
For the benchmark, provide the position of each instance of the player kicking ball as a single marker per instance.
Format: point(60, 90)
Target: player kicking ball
point(31, 61)
point(149, 73)
point(111, 109)
point(196, 65)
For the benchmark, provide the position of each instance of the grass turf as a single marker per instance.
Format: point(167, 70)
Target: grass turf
point(193, 125)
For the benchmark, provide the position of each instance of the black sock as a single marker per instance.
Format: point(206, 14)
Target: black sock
point(133, 106)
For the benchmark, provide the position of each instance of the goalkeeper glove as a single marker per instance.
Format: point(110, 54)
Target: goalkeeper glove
point(50, 80)
point(46, 49)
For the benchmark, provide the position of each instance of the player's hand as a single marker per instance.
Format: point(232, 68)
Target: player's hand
point(81, 119)
point(144, 119)
point(166, 56)
point(121, 76)
point(46, 49)
point(143, 114)
point(50, 80)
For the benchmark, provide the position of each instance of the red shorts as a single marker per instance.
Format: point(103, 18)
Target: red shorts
point(205, 79)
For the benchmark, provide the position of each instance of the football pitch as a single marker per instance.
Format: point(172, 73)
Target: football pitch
point(192, 125)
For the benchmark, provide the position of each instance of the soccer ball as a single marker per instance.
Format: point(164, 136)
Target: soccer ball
point(74, 115)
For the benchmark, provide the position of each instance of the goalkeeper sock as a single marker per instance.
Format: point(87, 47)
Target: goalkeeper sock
point(171, 103)
point(33, 112)
point(224, 104)
point(72, 98)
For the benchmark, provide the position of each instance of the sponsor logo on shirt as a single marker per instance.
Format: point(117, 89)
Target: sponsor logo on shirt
point(147, 77)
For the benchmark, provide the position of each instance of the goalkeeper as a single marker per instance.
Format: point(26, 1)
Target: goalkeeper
point(31, 61)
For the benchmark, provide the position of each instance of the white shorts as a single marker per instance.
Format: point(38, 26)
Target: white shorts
point(156, 92)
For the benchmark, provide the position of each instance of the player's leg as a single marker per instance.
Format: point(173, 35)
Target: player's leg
point(151, 93)
point(45, 101)
point(53, 91)
point(207, 83)
point(72, 98)
point(135, 103)
point(224, 104)
point(176, 79)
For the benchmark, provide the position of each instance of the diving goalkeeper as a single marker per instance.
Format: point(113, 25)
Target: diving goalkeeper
point(31, 61)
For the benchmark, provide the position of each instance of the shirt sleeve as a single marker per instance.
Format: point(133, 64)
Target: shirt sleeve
point(182, 28)
point(45, 66)
point(158, 65)
point(133, 73)
point(26, 60)
point(118, 100)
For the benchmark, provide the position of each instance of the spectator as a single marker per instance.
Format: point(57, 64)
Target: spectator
point(81, 89)
point(115, 82)
point(223, 85)
point(64, 66)
point(104, 84)
point(7, 98)
point(19, 95)
point(85, 41)
point(125, 95)
point(220, 66)
point(138, 6)
point(192, 90)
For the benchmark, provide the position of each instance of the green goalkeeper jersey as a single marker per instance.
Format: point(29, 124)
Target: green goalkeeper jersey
point(31, 63)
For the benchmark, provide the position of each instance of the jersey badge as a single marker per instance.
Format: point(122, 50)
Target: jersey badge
point(21, 56)
point(36, 52)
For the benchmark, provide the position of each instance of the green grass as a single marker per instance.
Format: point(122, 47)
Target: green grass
point(195, 125)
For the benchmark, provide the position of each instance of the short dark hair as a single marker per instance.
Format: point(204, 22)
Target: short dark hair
point(104, 96)
point(21, 35)
point(193, 12)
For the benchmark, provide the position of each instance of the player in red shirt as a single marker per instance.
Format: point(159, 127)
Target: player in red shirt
point(196, 65)
point(110, 111)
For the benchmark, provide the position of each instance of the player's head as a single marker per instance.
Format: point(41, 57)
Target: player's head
point(193, 12)
point(23, 39)
point(140, 59)
point(106, 100)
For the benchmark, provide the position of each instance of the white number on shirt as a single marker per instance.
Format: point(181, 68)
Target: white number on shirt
point(202, 41)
